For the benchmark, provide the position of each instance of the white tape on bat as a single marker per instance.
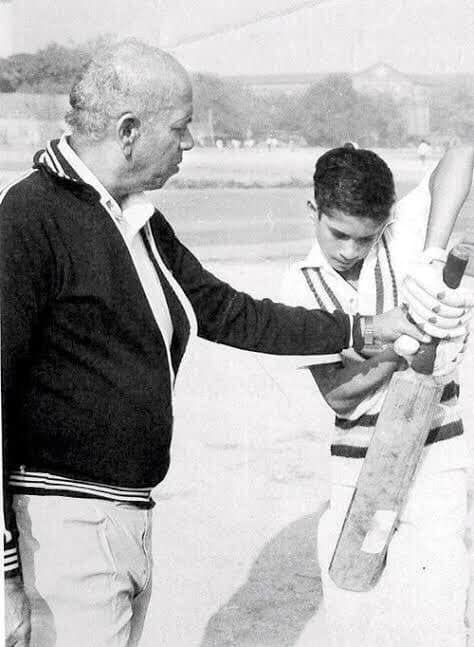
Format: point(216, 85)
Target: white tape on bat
point(379, 531)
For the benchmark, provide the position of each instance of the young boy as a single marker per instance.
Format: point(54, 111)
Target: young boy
point(363, 246)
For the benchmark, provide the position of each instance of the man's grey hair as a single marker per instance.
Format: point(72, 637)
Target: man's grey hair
point(128, 76)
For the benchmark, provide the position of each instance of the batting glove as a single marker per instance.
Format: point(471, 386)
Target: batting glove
point(438, 310)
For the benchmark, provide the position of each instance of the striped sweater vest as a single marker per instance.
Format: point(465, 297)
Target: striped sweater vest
point(352, 436)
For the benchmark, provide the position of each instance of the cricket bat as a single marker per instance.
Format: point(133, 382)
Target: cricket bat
point(391, 461)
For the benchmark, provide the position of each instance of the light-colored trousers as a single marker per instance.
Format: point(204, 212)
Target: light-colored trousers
point(420, 599)
point(87, 567)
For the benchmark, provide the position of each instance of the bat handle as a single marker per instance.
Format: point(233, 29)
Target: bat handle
point(456, 263)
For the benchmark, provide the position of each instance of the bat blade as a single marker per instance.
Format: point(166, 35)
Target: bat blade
point(391, 461)
point(387, 471)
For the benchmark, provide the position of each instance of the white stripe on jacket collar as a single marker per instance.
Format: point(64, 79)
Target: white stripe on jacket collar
point(136, 209)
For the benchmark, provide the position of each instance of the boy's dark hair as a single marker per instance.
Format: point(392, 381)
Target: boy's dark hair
point(355, 181)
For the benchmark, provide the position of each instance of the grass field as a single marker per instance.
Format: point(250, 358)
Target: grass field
point(208, 167)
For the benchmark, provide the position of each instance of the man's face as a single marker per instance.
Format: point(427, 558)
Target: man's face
point(346, 240)
point(163, 139)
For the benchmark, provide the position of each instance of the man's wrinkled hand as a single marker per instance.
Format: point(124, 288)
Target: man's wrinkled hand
point(17, 614)
point(389, 326)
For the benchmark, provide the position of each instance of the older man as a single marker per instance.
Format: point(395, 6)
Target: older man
point(99, 301)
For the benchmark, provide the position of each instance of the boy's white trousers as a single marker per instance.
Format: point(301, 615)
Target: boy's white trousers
point(420, 599)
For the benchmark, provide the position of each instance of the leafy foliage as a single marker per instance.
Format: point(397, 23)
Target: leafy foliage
point(224, 103)
point(50, 70)
point(327, 114)
point(452, 110)
point(332, 112)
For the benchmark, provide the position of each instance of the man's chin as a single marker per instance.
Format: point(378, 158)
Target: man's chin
point(173, 170)
point(158, 182)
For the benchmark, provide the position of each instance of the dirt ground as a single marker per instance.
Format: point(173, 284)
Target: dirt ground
point(236, 518)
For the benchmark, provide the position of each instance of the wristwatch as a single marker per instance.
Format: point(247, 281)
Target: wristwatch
point(368, 332)
point(364, 335)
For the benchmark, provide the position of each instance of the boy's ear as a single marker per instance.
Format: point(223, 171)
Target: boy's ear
point(312, 210)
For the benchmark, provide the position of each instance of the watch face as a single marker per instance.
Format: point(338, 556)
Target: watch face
point(368, 331)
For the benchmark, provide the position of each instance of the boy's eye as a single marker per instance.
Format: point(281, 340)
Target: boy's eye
point(339, 236)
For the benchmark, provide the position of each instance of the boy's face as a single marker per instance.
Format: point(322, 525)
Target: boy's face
point(346, 240)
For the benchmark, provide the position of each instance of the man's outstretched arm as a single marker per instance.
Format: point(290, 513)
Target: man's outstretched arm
point(228, 316)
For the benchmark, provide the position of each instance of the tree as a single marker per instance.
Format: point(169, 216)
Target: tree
point(332, 112)
point(452, 110)
point(227, 101)
point(50, 70)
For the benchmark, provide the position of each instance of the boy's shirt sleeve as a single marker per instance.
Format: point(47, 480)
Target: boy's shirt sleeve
point(408, 230)
point(294, 292)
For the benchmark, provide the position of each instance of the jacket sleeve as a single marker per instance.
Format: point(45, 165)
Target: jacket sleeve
point(230, 317)
point(25, 281)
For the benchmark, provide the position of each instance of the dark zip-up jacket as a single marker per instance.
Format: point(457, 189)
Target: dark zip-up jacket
point(85, 375)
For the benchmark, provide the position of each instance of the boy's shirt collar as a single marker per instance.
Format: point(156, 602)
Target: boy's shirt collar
point(316, 258)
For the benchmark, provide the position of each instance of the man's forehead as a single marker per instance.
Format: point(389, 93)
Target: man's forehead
point(180, 98)
point(181, 108)
point(171, 86)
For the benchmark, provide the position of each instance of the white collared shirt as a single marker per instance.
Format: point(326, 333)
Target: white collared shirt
point(135, 214)
point(404, 238)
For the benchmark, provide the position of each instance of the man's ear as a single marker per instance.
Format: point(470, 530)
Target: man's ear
point(128, 132)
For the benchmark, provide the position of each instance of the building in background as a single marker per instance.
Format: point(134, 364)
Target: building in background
point(410, 92)
point(412, 95)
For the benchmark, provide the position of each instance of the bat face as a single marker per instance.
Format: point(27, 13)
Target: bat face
point(383, 485)
point(390, 465)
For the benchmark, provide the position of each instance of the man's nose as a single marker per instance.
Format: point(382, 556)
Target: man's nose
point(187, 141)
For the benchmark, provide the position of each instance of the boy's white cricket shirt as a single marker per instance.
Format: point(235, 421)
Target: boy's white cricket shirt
point(314, 283)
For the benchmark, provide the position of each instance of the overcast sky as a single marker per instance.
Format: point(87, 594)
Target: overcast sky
point(339, 35)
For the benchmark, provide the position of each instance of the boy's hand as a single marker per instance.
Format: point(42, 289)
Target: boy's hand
point(438, 310)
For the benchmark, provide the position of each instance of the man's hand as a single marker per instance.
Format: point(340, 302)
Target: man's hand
point(437, 309)
point(17, 614)
point(389, 326)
